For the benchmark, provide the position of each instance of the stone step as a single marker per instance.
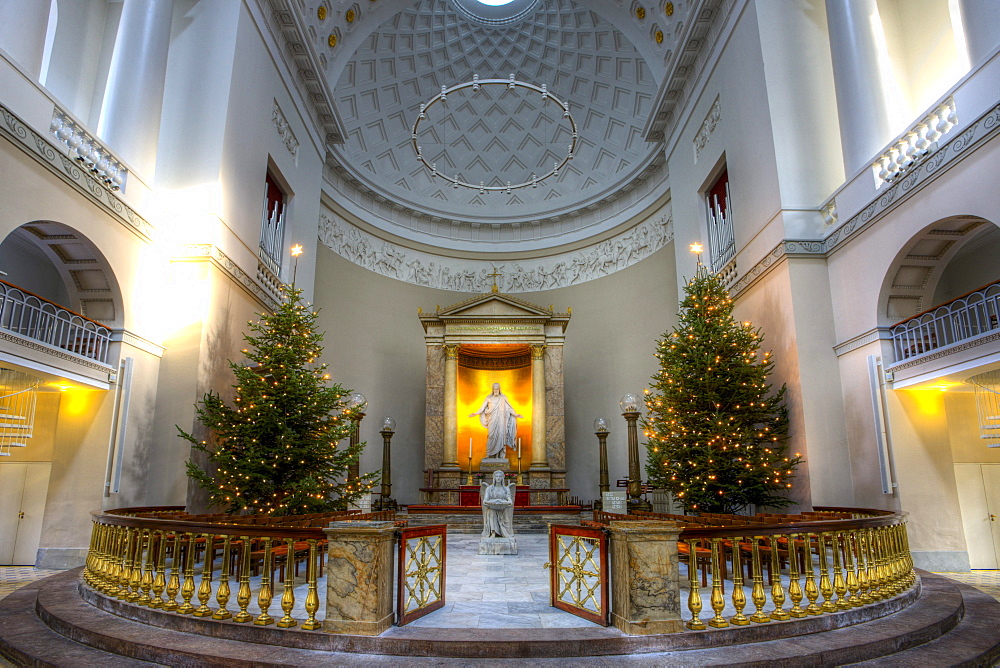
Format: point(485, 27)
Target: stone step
point(470, 523)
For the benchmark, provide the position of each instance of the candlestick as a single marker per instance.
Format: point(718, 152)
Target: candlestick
point(468, 480)
point(520, 480)
point(519, 448)
point(470, 447)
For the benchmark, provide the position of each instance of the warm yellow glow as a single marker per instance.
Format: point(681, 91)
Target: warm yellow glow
point(473, 386)
point(78, 402)
point(296, 250)
point(697, 248)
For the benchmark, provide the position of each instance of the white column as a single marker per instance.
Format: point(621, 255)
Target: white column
point(981, 22)
point(133, 98)
point(862, 75)
point(539, 454)
point(22, 32)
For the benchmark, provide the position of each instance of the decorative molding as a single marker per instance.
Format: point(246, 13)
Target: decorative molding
point(72, 172)
point(945, 352)
point(212, 253)
point(283, 23)
point(134, 340)
point(463, 275)
point(861, 340)
point(80, 360)
point(978, 132)
point(285, 131)
point(700, 140)
point(801, 248)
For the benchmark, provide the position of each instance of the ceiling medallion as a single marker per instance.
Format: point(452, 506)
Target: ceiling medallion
point(475, 85)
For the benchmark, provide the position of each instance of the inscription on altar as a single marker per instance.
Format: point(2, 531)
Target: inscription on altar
point(496, 328)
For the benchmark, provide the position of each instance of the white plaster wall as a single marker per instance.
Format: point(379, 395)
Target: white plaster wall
point(375, 345)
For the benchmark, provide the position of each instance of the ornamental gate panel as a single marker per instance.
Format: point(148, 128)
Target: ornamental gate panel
point(578, 561)
point(421, 570)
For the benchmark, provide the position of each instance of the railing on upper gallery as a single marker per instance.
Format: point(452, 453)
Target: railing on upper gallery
point(963, 318)
point(37, 318)
point(852, 557)
point(148, 556)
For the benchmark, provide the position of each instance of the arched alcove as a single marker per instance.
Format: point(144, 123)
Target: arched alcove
point(935, 266)
point(60, 264)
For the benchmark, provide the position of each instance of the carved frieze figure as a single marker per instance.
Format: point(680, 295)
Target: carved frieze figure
point(500, 420)
point(498, 507)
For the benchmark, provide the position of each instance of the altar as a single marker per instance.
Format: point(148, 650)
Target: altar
point(494, 397)
point(469, 496)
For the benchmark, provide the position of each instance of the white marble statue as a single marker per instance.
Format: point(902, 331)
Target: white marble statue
point(497, 500)
point(500, 420)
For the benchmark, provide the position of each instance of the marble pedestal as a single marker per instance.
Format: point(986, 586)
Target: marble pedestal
point(645, 586)
point(491, 464)
point(497, 546)
point(359, 577)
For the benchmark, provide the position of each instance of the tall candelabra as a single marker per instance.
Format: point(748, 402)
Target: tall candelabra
point(385, 501)
point(601, 431)
point(359, 403)
point(630, 411)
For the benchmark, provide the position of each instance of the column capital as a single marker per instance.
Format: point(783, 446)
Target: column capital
point(537, 351)
point(451, 351)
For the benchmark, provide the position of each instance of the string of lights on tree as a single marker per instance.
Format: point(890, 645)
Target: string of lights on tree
point(716, 431)
point(275, 449)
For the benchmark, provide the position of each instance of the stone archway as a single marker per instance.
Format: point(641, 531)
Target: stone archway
point(912, 278)
point(91, 288)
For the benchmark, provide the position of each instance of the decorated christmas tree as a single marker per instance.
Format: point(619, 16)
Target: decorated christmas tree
point(716, 430)
point(274, 451)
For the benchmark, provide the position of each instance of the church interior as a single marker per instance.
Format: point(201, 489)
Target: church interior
point(501, 191)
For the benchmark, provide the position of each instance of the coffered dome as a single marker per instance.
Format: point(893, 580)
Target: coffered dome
point(496, 134)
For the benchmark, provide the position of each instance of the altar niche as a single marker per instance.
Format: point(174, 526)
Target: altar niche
point(494, 338)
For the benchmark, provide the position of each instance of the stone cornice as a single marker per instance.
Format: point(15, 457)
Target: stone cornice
point(799, 248)
point(212, 253)
point(134, 340)
point(861, 340)
point(57, 162)
point(980, 131)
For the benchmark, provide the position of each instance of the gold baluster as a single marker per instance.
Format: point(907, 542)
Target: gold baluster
point(911, 576)
point(853, 586)
point(223, 593)
point(288, 598)
point(128, 565)
point(757, 592)
point(694, 592)
point(312, 597)
point(825, 587)
point(187, 587)
point(205, 589)
point(159, 582)
point(718, 599)
point(96, 555)
point(147, 572)
point(897, 559)
point(794, 590)
point(863, 584)
point(266, 592)
point(777, 591)
point(243, 593)
point(114, 561)
point(739, 597)
point(122, 571)
point(871, 564)
point(133, 574)
point(839, 585)
point(174, 583)
point(88, 567)
point(881, 579)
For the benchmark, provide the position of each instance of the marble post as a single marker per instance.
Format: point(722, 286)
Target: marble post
point(645, 585)
point(133, 98)
point(450, 405)
point(539, 455)
point(359, 578)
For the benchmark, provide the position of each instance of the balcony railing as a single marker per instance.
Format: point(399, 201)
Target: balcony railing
point(36, 318)
point(960, 319)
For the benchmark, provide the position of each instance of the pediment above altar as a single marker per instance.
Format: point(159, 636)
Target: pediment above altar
point(495, 308)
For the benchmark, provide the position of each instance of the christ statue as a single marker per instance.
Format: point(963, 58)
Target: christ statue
point(500, 420)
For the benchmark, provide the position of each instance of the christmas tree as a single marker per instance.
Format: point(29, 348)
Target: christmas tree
point(716, 430)
point(275, 450)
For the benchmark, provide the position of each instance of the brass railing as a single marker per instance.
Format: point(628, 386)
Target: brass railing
point(823, 562)
point(149, 556)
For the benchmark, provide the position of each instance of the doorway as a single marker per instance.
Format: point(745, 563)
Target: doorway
point(979, 499)
point(23, 488)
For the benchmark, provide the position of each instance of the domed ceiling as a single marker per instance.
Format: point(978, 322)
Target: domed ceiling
point(496, 134)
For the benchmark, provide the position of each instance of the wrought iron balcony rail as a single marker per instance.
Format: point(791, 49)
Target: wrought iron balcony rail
point(961, 319)
point(830, 560)
point(33, 317)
